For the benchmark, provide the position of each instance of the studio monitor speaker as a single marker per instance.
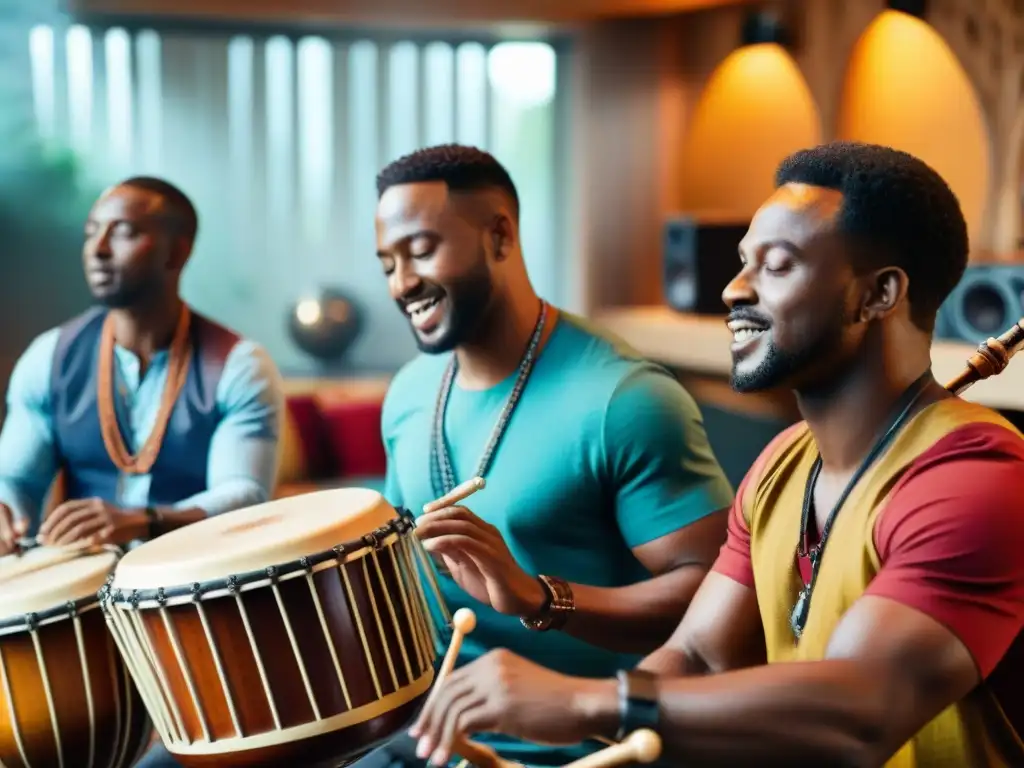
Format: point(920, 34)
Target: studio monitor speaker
point(699, 258)
point(986, 301)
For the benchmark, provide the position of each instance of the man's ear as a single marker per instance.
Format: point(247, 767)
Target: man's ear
point(181, 250)
point(884, 289)
point(503, 236)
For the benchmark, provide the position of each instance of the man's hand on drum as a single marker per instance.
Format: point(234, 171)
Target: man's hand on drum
point(504, 693)
point(477, 557)
point(93, 521)
point(12, 528)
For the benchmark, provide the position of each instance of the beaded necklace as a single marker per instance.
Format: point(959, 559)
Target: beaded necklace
point(442, 473)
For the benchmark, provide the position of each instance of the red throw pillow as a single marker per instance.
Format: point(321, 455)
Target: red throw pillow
point(314, 437)
point(354, 431)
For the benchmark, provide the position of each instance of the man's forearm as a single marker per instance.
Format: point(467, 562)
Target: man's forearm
point(819, 713)
point(637, 618)
point(171, 518)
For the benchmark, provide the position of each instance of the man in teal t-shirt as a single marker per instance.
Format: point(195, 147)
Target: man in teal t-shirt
point(603, 505)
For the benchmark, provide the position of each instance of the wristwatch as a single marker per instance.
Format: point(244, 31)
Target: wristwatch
point(638, 701)
point(154, 519)
point(558, 605)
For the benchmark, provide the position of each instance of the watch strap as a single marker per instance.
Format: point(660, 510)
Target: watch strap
point(155, 520)
point(638, 701)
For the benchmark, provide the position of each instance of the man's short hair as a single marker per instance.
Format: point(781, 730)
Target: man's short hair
point(461, 168)
point(179, 208)
point(898, 208)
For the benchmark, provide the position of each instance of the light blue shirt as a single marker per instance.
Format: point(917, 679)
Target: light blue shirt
point(244, 451)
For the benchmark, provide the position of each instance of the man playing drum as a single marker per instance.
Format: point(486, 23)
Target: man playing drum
point(901, 617)
point(155, 416)
point(604, 505)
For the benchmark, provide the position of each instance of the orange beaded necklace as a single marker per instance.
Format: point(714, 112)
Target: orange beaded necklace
point(177, 372)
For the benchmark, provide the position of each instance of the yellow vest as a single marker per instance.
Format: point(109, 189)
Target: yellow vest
point(965, 734)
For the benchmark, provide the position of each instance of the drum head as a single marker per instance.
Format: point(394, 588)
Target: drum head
point(46, 577)
point(250, 539)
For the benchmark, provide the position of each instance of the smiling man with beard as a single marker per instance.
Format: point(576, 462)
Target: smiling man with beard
point(868, 606)
point(155, 416)
point(604, 504)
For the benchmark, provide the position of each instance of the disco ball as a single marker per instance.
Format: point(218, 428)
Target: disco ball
point(324, 326)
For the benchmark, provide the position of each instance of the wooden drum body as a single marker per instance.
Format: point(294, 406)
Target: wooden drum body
point(296, 632)
point(66, 698)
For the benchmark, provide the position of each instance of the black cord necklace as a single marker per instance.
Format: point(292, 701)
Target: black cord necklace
point(905, 405)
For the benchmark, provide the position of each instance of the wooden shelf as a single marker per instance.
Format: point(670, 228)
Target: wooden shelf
point(700, 344)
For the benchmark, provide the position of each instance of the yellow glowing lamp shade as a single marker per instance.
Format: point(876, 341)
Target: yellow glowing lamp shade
point(905, 88)
point(755, 110)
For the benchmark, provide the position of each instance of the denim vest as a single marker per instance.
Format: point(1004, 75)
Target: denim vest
point(180, 467)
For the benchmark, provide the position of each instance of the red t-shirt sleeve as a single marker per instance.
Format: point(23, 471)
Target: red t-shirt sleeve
point(734, 557)
point(951, 539)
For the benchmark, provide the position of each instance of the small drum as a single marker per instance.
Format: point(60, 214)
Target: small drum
point(296, 632)
point(66, 698)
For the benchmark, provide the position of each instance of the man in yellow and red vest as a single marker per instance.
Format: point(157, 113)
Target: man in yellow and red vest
point(868, 605)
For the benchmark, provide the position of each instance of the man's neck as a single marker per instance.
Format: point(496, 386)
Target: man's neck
point(499, 348)
point(145, 331)
point(847, 419)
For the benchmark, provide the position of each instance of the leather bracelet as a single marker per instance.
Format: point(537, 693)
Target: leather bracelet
point(638, 701)
point(556, 609)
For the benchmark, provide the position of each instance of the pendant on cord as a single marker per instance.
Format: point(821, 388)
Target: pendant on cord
point(798, 618)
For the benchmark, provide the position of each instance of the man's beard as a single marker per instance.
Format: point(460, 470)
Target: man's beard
point(467, 304)
point(779, 367)
point(122, 296)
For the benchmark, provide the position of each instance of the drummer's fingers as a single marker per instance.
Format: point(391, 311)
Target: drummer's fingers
point(87, 529)
point(455, 727)
point(65, 527)
point(456, 513)
point(438, 740)
point(436, 703)
point(7, 532)
point(459, 548)
point(56, 518)
point(445, 527)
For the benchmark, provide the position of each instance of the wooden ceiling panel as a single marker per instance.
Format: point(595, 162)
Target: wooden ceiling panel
point(393, 12)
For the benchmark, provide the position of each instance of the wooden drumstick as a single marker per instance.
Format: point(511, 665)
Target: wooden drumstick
point(464, 622)
point(641, 746)
point(455, 495)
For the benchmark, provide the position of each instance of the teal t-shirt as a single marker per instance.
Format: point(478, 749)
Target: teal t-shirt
point(604, 452)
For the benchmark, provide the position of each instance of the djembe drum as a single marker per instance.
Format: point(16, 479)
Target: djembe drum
point(66, 698)
point(296, 632)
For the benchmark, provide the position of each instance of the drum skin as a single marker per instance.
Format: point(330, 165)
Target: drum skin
point(81, 667)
